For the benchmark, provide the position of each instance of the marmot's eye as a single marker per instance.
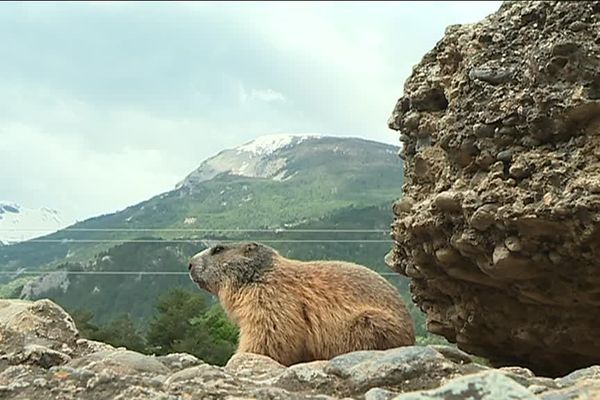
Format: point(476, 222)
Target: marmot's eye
point(217, 249)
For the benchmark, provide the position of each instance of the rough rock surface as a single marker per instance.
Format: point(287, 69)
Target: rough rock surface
point(499, 229)
point(65, 367)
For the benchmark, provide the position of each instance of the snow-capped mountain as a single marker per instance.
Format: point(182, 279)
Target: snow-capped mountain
point(272, 156)
point(19, 223)
point(260, 158)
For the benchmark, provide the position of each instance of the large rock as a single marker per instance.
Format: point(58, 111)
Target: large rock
point(499, 230)
point(38, 332)
point(98, 371)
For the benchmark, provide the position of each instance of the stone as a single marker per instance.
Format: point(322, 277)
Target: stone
point(380, 394)
point(304, 376)
point(203, 372)
point(513, 244)
point(409, 368)
point(483, 130)
point(579, 390)
point(491, 76)
point(65, 372)
point(402, 206)
point(424, 372)
point(518, 171)
point(505, 156)
point(179, 361)
point(91, 346)
point(592, 373)
point(40, 355)
point(453, 354)
point(281, 394)
point(25, 318)
point(577, 26)
point(483, 217)
point(120, 361)
point(448, 201)
point(255, 365)
point(525, 95)
point(484, 386)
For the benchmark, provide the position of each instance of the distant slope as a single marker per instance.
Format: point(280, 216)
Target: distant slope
point(17, 222)
point(325, 174)
point(109, 295)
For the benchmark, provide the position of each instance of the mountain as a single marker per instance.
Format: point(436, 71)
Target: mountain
point(18, 223)
point(276, 189)
point(265, 157)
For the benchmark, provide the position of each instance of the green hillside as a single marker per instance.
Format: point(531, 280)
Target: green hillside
point(326, 176)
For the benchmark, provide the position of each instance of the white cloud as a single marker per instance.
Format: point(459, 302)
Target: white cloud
point(263, 95)
point(95, 119)
point(61, 173)
point(267, 95)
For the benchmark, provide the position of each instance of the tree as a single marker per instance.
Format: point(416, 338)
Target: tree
point(121, 332)
point(82, 319)
point(184, 323)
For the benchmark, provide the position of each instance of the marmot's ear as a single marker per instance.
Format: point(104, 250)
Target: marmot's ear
point(250, 247)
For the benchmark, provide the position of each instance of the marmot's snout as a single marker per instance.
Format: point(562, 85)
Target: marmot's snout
point(196, 269)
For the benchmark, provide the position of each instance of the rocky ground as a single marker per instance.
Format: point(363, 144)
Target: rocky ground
point(499, 227)
point(43, 357)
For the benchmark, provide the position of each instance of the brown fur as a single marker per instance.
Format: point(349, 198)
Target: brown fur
point(294, 311)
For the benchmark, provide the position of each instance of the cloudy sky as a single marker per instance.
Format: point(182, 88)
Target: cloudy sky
point(105, 104)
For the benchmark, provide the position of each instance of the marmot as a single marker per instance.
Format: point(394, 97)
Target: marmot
point(295, 311)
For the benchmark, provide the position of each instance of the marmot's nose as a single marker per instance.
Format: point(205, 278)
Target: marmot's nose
point(190, 267)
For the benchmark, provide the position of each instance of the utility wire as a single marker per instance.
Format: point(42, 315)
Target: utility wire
point(206, 239)
point(274, 230)
point(116, 272)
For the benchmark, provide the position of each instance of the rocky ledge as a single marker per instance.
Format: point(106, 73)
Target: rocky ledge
point(42, 356)
point(499, 229)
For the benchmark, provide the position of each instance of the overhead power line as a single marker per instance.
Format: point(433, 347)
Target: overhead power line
point(274, 230)
point(137, 273)
point(207, 239)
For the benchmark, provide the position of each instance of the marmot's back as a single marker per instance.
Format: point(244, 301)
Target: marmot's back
point(338, 307)
point(353, 283)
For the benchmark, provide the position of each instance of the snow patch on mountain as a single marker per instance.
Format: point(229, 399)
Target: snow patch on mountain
point(267, 145)
point(264, 157)
point(18, 223)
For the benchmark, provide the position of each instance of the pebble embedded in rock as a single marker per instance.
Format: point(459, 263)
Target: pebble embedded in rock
point(518, 171)
point(513, 244)
point(483, 130)
point(507, 131)
point(448, 201)
point(564, 48)
point(578, 26)
point(505, 156)
point(447, 256)
point(403, 205)
point(483, 217)
point(492, 76)
point(509, 266)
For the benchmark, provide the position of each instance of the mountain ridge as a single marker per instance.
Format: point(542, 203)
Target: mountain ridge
point(264, 157)
point(18, 223)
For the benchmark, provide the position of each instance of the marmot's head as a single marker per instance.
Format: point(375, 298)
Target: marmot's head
point(237, 264)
